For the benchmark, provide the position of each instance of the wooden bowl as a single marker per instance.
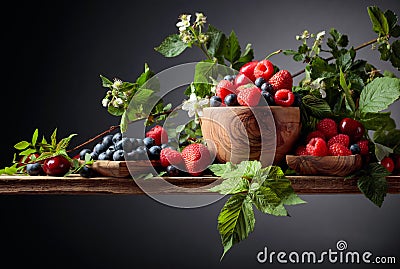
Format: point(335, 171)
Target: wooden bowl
point(327, 165)
point(241, 133)
point(123, 168)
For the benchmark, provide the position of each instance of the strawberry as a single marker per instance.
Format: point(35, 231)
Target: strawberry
point(363, 144)
point(159, 134)
point(249, 96)
point(317, 147)
point(338, 149)
point(264, 69)
point(301, 151)
point(313, 134)
point(352, 128)
point(328, 127)
point(341, 139)
point(224, 88)
point(284, 97)
point(281, 80)
point(248, 70)
point(170, 156)
point(197, 158)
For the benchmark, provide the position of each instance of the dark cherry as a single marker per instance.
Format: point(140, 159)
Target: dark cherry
point(56, 166)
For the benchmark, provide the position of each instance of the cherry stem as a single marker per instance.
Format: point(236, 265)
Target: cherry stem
point(331, 58)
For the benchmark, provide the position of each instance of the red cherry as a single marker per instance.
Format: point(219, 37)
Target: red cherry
point(242, 79)
point(388, 163)
point(56, 166)
point(354, 129)
point(248, 70)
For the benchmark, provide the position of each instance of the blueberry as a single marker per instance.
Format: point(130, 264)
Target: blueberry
point(266, 87)
point(259, 81)
point(268, 98)
point(154, 152)
point(148, 142)
point(215, 101)
point(172, 171)
point(107, 140)
point(83, 152)
point(231, 100)
point(117, 137)
point(34, 169)
point(133, 155)
point(141, 152)
point(230, 77)
point(297, 99)
point(118, 145)
point(118, 155)
point(139, 142)
point(355, 149)
point(110, 152)
point(103, 157)
point(99, 148)
point(134, 142)
point(94, 155)
point(86, 171)
point(127, 144)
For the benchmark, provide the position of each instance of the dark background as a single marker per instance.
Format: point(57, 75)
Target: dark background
point(52, 56)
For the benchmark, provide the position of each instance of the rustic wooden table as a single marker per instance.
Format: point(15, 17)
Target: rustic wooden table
point(75, 185)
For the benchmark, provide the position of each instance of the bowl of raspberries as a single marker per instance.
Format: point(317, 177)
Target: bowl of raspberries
point(254, 115)
point(334, 148)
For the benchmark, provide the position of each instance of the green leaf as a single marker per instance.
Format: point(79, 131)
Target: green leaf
point(115, 111)
point(382, 151)
point(54, 138)
point(392, 21)
point(216, 41)
point(316, 106)
point(27, 152)
point(22, 145)
point(385, 52)
point(34, 137)
point(350, 105)
point(172, 46)
point(378, 120)
point(379, 22)
point(235, 221)
point(379, 94)
point(145, 76)
point(232, 48)
point(395, 56)
point(389, 138)
point(373, 183)
point(231, 186)
point(246, 57)
point(63, 144)
point(106, 82)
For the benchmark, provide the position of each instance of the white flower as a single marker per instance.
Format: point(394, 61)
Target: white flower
point(105, 102)
point(184, 23)
point(323, 93)
point(117, 84)
point(203, 38)
point(186, 37)
point(200, 19)
point(194, 106)
point(117, 102)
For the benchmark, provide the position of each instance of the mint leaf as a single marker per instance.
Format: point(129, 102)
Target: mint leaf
point(172, 46)
point(215, 44)
point(231, 186)
point(63, 144)
point(316, 106)
point(34, 137)
point(379, 22)
point(232, 48)
point(235, 221)
point(22, 145)
point(373, 183)
point(379, 94)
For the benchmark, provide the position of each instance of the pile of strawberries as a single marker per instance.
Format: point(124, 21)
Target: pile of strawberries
point(332, 139)
point(255, 80)
point(194, 158)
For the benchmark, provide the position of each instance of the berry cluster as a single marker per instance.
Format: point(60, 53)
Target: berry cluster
point(392, 163)
point(255, 80)
point(54, 166)
point(156, 146)
point(332, 139)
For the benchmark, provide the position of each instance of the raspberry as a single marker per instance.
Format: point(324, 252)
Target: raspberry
point(337, 149)
point(317, 147)
point(284, 97)
point(197, 158)
point(224, 88)
point(328, 127)
point(301, 151)
point(170, 156)
point(264, 69)
point(248, 70)
point(281, 80)
point(315, 134)
point(249, 96)
point(159, 135)
point(341, 139)
point(363, 144)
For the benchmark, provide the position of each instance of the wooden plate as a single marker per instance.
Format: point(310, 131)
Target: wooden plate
point(123, 168)
point(327, 165)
